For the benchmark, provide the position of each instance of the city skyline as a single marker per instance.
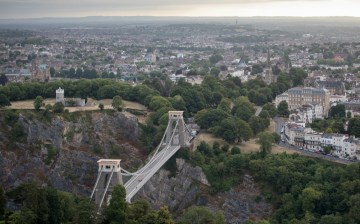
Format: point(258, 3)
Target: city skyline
point(18, 9)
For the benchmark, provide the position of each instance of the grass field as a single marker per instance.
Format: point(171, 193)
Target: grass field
point(245, 147)
point(91, 105)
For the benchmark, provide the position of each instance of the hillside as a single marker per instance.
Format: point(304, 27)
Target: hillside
point(61, 151)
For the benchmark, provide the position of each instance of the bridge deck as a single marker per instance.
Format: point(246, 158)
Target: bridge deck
point(137, 181)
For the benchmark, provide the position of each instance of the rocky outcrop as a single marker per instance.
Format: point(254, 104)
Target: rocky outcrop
point(63, 152)
point(244, 202)
point(177, 192)
point(189, 187)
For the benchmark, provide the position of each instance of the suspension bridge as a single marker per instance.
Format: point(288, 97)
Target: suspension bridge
point(110, 173)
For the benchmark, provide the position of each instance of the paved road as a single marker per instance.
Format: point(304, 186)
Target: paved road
point(279, 123)
point(316, 155)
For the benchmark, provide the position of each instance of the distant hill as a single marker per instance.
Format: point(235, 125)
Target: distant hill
point(147, 20)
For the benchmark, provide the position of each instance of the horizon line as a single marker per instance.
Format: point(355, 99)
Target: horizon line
point(154, 16)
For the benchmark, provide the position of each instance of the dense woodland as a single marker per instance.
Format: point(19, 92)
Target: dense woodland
point(48, 205)
point(302, 190)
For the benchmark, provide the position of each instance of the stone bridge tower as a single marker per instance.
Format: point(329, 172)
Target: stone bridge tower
point(109, 176)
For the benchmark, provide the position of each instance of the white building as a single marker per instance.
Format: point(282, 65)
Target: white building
point(60, 96)
point(312, 141)
point(307, 113)
point(150, 58)
point(350, 148)
point(294, 133)
point(175, 78)
point(299, 96)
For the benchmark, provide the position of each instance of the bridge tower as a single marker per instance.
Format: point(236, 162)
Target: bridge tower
point(109, 175)
point(175, 116)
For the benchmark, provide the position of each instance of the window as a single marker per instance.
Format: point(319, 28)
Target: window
point(107, 167)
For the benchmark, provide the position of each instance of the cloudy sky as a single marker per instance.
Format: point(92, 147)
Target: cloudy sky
point(80, 8)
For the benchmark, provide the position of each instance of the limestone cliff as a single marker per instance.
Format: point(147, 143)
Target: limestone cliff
point(63, 152)
point(189, 187)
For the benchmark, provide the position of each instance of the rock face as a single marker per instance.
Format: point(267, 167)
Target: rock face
point(177, 192)
point(188, 188)
point(244, 202)
point(63, 152)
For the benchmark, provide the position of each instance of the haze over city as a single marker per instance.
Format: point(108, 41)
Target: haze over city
point(10, 9)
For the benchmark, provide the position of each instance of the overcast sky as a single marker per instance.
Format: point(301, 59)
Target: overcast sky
point(80, 8)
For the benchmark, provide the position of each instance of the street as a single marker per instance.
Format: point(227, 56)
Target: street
point(279, 123)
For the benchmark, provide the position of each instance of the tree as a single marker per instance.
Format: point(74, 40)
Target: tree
point(265, 117)
point(276, 137)
point(327, 149)
point(309, 197)
point(331, 219)
point(201, 215)
point(215, 72)
point(355, 207)
point(79, 73)
point(265, 140)
point(3, 79)
point(4, 101)
point(2, 203)
point(38, 103)
point(215, 58)
point(256, 124)
point(21, 217)
point(354, 126)
point(283, 108)
point(58, 107)
point(54, 206)
point(178, 103)
point(244, 113)
point(257, 98)
point(210, 118)
point(86, 212)
point(256, 69)
point(117, 103)
point(233, 130)
point(116, 212)
point(348, 114)
point(72, 73)
point(52, 72)
point(297, 76)
point(337, 111)
point(164, 216)
point(158, 102)
point(101, 106)
point(225, 105)
point(235, 150)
